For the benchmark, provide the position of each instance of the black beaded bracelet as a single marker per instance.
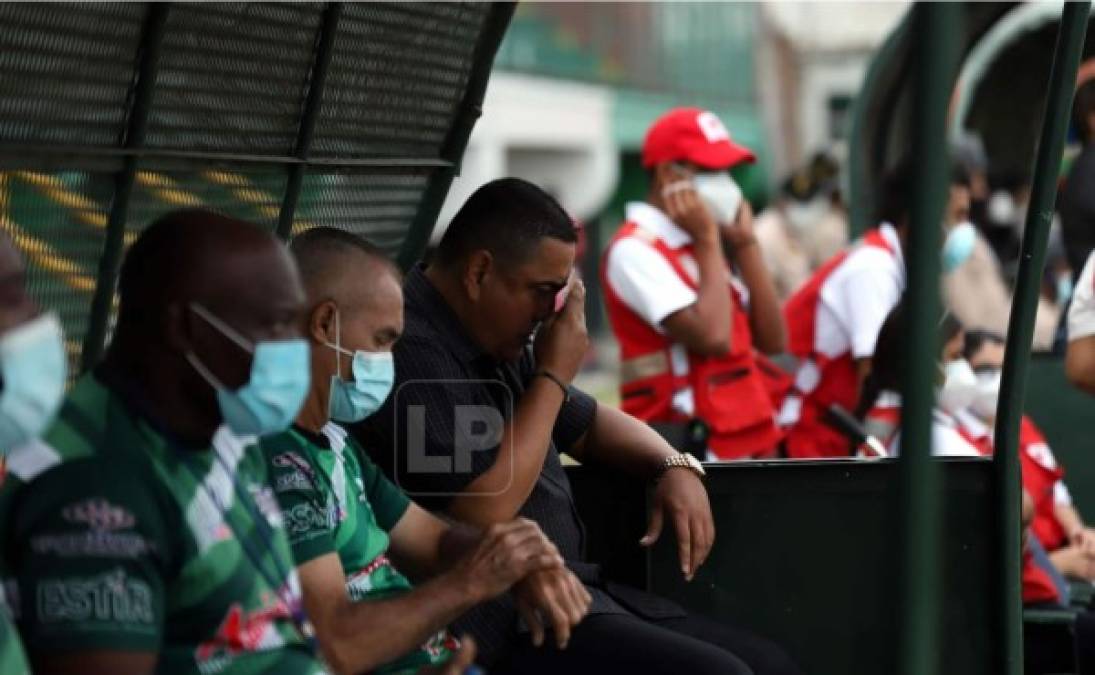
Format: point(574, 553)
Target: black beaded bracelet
point(562, 385)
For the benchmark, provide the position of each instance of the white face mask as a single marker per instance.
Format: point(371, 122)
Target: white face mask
point(959, 386)
point(988, 394)
point(802, 216)
point(720, 194)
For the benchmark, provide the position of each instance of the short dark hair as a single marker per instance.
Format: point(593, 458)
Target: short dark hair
point(895, 199)
point(507, 217)
point(977, 338)
point(312, 249)
point(1083, 104)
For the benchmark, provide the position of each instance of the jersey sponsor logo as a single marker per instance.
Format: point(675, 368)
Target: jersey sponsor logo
point(441, 643)
point(291, 460)
point(99, 514)
point(301, 518)
point(294, 480)
point(109, 597)
point(95, 544)
point(242, 631)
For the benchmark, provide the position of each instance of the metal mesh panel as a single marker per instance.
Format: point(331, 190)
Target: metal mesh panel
point(397, 76)
point(66, 70)
point(232, 77)
point(378, 207)
point(58, 222)
point(250, 196)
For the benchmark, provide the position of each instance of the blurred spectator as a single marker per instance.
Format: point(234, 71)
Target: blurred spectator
point(1058, 525)
point(687, 336)
point(804, 227)
point(834, 319)
point(974, 291)
point(880, 403)
point(1077, 202)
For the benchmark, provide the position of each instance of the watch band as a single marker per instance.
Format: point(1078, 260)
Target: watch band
point(551, 376)
point(680, 460)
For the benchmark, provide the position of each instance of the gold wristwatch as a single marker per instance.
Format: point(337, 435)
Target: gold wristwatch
point(684, 461)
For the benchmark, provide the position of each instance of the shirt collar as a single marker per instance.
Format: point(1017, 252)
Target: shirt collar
point(889, 233)
point(420, 295)
point(655, 221)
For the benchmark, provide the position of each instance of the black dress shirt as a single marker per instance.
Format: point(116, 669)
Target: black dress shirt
point(441, 371)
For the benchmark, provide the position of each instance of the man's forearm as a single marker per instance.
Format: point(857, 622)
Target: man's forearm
point(371, 633)
point(498, 494)
point(765, 317)
point(621, 441)
point(1069, 518)
point(712, 300)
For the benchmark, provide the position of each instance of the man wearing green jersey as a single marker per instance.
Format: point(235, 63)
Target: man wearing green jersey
point(32, 382)
point(140, 535)
point(353, 533)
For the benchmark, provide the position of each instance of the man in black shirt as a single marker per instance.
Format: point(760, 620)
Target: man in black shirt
point(481, 409)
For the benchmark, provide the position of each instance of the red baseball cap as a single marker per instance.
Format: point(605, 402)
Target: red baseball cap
point(693, 135)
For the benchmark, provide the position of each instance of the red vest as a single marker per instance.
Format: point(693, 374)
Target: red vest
point(1040, 476)
point(809, 436)
point(1037, 584)
point(729, 392)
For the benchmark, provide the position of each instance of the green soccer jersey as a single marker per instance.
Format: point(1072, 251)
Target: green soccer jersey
point(12, 659)
point(118, 539)
point(335, 500)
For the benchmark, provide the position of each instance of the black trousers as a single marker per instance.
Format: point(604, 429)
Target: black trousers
point(624, 643)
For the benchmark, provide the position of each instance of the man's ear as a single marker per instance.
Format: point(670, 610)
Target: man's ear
point(321, 323)
point(480, 264)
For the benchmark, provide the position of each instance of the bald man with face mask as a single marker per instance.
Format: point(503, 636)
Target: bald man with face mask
point(357, 539)
point(146, 538)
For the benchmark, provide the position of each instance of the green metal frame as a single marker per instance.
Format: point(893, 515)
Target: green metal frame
point(325, 40)
point(131, 152)
point(934, 61)
point(1066, 60)
point(148, 58)
point(860, 196)
point(471, 108)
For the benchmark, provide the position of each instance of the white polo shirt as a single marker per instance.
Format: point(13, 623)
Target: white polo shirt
point(1081, 313)
point(647, 283)
point(857, 297)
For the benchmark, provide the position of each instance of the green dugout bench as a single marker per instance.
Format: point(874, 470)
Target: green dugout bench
point(805, 555)
point(805, 550)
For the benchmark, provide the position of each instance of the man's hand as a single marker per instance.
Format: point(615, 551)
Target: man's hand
point(460, 662)
point(556, 594)
point(507, 552)
point(685, 208)
point(1083, 538)
point(562, 342)
point(739, 234)
point(681, 497)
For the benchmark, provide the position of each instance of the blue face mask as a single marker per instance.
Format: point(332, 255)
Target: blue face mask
point(1064, 288)
point(374, 373)
point(270, 400)
point(33, 366)
point(958, 246)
